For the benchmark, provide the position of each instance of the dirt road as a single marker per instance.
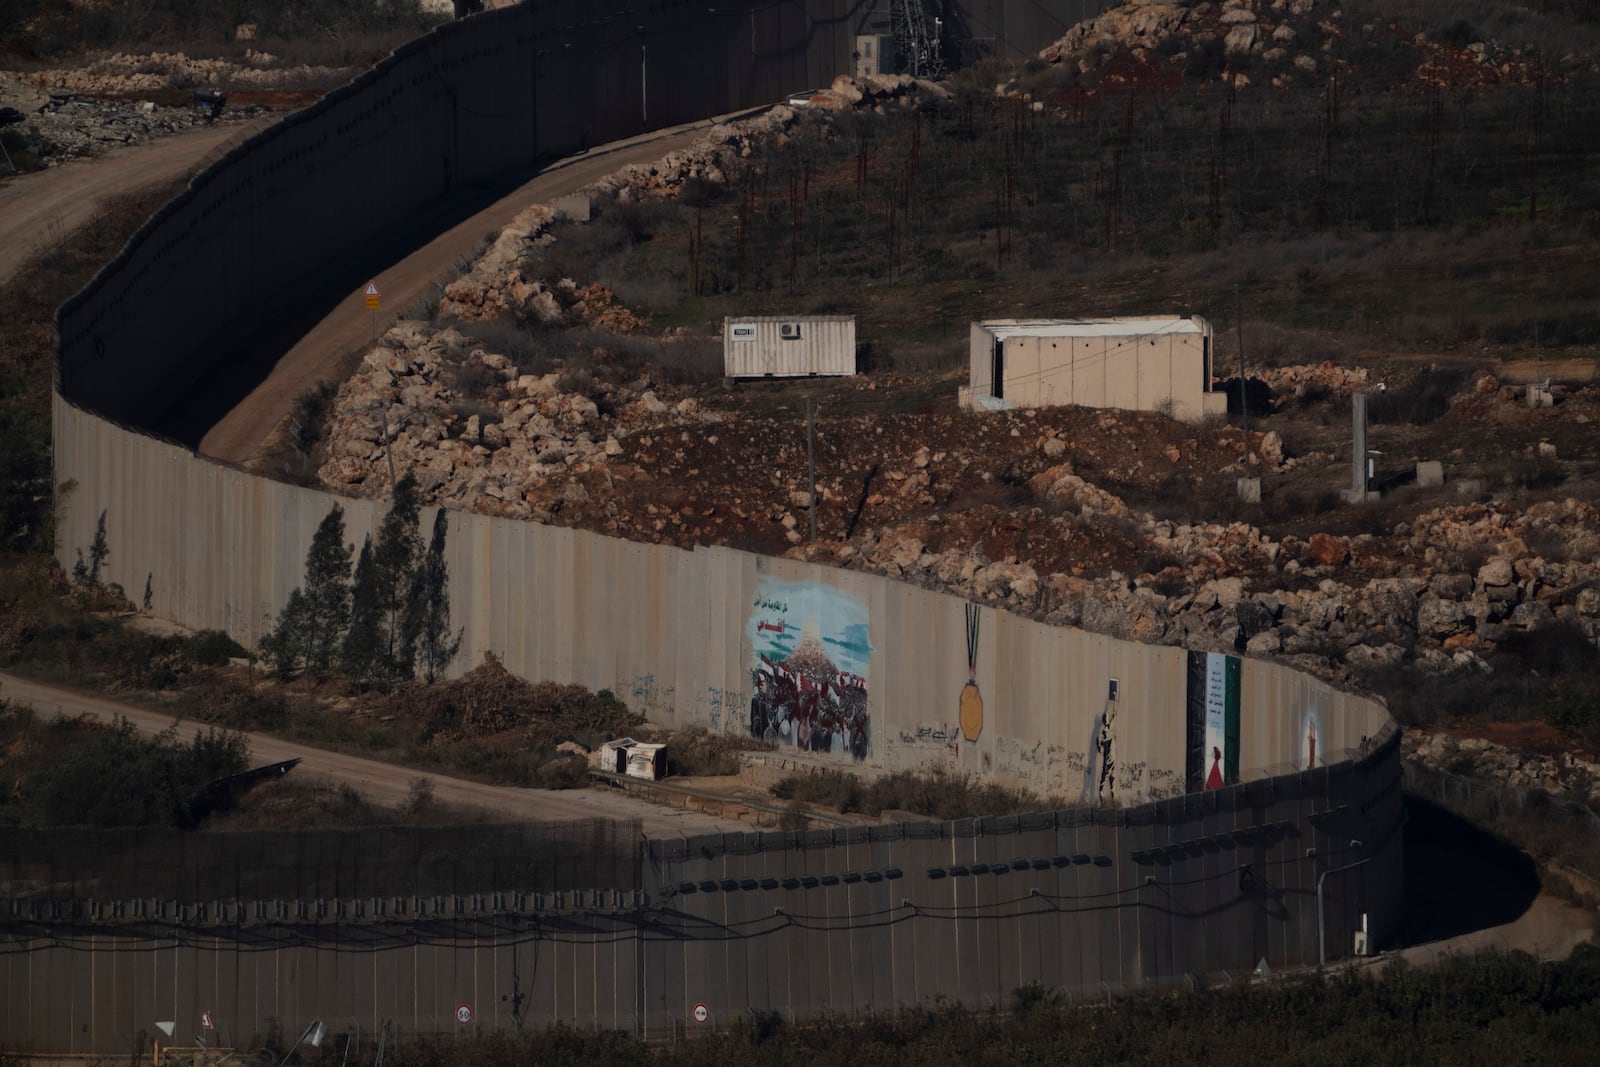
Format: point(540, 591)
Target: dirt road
point(246, 433)
point(59, 200)
point(387, 784)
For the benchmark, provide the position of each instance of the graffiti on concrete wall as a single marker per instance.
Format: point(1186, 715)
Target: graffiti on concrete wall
point(809, 680)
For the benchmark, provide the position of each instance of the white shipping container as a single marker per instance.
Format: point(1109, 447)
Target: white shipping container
point(799, 347)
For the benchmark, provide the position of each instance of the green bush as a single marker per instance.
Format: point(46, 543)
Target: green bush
point(120, 778)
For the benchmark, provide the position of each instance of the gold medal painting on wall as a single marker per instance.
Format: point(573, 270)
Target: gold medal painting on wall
point(971, 699)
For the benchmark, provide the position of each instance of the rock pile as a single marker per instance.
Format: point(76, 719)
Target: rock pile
point(517, 446)
point(1274, 40)
point(61, 125)
point(1564, 774)
point(123, 73)
point(1294, 384)
point(1335, 606)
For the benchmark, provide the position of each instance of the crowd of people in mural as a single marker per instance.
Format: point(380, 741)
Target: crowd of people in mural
point(815, 707)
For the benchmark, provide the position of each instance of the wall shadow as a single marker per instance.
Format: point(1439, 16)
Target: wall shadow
point(201, 394)
point(1458, 877)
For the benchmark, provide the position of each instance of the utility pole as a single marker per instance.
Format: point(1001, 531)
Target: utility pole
point(811, 466)
point(1244, 393)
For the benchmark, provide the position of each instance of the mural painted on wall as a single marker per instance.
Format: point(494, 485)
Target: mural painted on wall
point(971, 700)
point(812, 653)
point(1106, 744)
point(1213, 720)
point(1309, 752)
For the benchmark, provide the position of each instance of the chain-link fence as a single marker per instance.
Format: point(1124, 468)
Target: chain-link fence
point(1550, 827)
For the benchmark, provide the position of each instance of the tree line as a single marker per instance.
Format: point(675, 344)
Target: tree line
point(383, 623)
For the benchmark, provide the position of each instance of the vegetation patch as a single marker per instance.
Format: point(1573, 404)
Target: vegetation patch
point(937, 794)
point(72, 772)
point(1490, 1007)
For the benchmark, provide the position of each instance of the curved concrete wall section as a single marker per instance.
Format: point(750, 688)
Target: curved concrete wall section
point(1218, 799)
point(840, 667)
point(848, 922)
point(315, 196)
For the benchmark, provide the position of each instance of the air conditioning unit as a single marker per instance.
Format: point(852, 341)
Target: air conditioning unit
point(1363, 947)
point(789, 331)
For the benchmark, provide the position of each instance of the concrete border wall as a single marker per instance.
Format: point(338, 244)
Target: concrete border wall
point(851, 668)
point(833, 922)
point(261, 234)
point(680, 635)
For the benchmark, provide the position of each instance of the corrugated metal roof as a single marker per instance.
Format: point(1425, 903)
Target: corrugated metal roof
point(1004, 328)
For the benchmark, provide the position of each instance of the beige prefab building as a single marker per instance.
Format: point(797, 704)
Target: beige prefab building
point(800, 347)
point(1138, 364)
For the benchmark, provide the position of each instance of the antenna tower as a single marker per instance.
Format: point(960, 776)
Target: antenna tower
point(916, 37)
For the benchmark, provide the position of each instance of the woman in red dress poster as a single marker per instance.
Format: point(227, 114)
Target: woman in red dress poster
point(1214, 779)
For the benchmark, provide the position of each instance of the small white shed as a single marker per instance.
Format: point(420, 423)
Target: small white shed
point(636, 759)
point(806, 346)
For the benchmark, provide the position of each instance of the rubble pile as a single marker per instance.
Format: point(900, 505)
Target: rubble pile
point(1275, 41)
point(59, 125)
point(523, 451)
point(122, 74)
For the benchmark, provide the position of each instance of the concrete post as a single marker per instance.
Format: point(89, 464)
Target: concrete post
point(1358, 447)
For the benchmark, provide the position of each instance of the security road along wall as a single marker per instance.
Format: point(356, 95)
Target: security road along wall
point(305, 206)
point(1219, 795)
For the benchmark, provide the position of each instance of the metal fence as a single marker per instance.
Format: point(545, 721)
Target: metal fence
point(831, 922)
point(368, 862)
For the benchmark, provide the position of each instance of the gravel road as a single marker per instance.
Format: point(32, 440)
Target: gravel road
point(243, 435)
point(60, 199)
point(387, 784)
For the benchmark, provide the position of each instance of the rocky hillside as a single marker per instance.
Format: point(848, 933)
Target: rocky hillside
point(1027, 509)
point(541, 397)
point(73, 112)
point(1003, 507)
point(1281, 41)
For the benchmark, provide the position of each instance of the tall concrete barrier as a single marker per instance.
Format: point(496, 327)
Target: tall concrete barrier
point(838, 922)
point(832, 666)
point(1209, 810)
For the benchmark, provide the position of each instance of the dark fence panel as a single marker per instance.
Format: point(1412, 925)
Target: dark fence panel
point(839, 921)
point(388, 861)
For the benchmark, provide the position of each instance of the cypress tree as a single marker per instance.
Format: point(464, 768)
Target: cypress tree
point(396, 555)
point(428, 633)
point(327, 592)
point(311, 624)
point(360, 655)
point(285, 646)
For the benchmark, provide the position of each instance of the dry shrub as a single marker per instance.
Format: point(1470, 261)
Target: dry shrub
point(936, 794)
point(297, 803)
point(490, 699)
point(697, 752)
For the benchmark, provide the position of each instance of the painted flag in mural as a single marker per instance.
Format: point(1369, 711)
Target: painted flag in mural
point(1213, 720)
